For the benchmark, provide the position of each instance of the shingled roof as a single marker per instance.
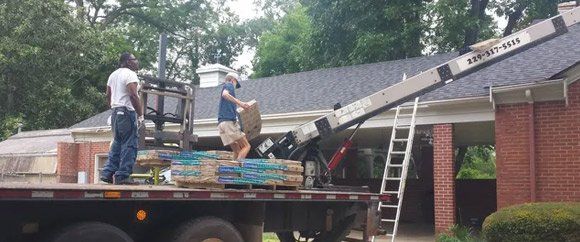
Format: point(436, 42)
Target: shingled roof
point(321, 89)
point(34, 142)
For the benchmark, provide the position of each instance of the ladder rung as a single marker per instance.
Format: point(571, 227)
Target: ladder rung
point(391, 192)
point(388, 220)
point(395, 165)
point(393, 178)
point(389, 206)
point(400, 140)
point(403, 127)
point(390, 235)
point(398, 152)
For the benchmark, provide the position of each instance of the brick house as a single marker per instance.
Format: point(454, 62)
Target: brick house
point(527, 106)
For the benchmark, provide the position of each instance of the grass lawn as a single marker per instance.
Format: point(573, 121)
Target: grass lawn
point(270, 237)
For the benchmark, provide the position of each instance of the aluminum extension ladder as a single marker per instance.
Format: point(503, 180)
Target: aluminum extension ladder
point(396, 168)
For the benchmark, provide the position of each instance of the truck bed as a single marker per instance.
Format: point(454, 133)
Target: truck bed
point(69, 191)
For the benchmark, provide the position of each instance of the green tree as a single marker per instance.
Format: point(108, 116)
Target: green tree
point(520, 13)
point(355, 32)
point(396, 33)
point(199, 32)
point(352, 32)
point(457, 24)
point(281, 50)
point(56, 55)
point(49, 62)
point(327, 33)
point(478, 163)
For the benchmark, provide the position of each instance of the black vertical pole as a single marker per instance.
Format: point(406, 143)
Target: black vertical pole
point(160, 101)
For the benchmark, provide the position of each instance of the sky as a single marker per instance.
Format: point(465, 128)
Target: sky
point(246, 9)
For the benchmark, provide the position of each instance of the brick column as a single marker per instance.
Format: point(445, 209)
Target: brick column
point(512, 139)
point(66, 168)
point(443, 176)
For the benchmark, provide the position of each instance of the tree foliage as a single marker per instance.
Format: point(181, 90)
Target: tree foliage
point(478, 163)
point(199, 32)
point(49, 65)
point(325, 33)
point(56, 55)
point(352, 32)
point(457, 24)
point(279, 51)
point(338, 33)
point(520, 13)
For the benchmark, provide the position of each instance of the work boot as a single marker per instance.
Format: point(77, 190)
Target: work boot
point(106, 179)
point(124, 181)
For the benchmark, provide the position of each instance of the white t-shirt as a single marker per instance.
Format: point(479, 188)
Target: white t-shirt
point(118, 81)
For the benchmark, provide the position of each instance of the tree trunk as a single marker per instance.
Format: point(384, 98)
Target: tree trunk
point(513, 19)
point(462, 151)
point(80, 8)
point(477, 12)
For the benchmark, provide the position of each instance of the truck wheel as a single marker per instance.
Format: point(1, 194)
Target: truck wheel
point(207, 229)
point(90, 232)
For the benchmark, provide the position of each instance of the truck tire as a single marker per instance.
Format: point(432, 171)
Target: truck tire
point(207, 229)
point(90, 232)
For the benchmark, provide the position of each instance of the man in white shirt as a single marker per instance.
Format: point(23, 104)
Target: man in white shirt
point(126, 114)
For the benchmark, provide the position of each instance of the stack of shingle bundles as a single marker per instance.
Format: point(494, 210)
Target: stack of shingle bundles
point(263, 172)
point(154, 157)
point(199, 167)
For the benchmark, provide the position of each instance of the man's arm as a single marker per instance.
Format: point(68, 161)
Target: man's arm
point(227, 96)
point(135, 98)
point(109, 96)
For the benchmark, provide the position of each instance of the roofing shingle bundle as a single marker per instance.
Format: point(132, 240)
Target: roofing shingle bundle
point(250, 120)
point(164, 157)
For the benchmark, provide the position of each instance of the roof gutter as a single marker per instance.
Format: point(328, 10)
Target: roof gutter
point(518, 87)
point(494, 92)
point(30, 154)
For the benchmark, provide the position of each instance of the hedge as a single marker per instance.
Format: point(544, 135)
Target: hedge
point(534, 222)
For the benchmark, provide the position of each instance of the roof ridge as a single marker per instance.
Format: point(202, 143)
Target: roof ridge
point(353, 66)
point(40, 133)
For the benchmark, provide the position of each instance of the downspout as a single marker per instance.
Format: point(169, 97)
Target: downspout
point(532, 145)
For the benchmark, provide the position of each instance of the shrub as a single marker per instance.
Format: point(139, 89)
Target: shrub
point(458, 233)
point(534, 222)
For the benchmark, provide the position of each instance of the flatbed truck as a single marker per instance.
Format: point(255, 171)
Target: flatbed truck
point(74, 212)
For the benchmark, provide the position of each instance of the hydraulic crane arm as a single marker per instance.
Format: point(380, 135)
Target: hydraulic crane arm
point(482, 55)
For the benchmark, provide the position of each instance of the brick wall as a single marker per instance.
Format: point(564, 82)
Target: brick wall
point(557, 151)
point(87, 152)
point(512, 154)
point(557, 133)
point(66, 168)
point(443, 177)
point(75, 157)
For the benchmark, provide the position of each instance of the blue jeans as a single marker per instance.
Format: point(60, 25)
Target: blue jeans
point(124, 148)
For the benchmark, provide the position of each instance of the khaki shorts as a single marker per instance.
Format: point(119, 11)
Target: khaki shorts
point(230, 132)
